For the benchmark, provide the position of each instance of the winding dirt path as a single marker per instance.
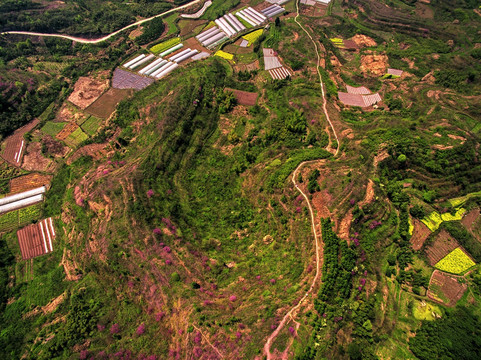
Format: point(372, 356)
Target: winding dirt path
point(291, 313)
point(106, 37)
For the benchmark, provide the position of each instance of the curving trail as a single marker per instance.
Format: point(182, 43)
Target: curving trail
point(106, 37)
point(291, 313)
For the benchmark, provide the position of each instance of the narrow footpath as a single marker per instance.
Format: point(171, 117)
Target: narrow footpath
point(318, 239)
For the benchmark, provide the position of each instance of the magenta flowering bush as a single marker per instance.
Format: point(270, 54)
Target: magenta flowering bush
point(100, 327)
point(292, 331)
point(115, 329)
point(159, 316)
point(140, 330)
point(272, 281)
point(150, 193)
point(83, 354)
point(157, 231)
point(233, 298)
point(168, 262)
point(167, 249)
point(198, 338)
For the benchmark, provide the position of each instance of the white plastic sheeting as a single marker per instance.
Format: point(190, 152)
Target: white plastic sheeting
point(143, 61)
point(186, 56)
point(160, 69)
point(171, 50)
point(21, 203)
point(127, 64)
point(22, 195)
point(167, 70)
point(150, 66)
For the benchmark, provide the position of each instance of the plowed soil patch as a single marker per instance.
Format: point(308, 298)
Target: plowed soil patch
point(441, 246)
point(13, 144)
point(66, 131)
point(244, 97)
point(36, 239)
point(446, 288)
point(28, 182)
point(96, 151)
point(470, 220)
point(34, 160)
point(420, 234)
point(87, 90)
point(105, 105)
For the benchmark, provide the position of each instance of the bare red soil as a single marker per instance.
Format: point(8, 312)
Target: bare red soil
point(28, 182)
point(441, 246)
point(244, 97)
point(446, 288)
point(420, 233)
point(14, 142)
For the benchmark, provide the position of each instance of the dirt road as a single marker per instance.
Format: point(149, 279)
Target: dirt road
point(291, 313)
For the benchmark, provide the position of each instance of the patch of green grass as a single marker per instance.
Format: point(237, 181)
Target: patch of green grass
point(76, 138)
point(53, 128)
point(171, 24)
point(426, 311)
point(91, 125)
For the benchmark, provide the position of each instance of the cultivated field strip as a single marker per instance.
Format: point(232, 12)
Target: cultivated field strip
point(15, 144)
point(36, 239)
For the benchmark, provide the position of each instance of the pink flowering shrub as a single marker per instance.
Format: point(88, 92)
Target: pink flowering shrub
point(100, 327)
point(292, 331)
point(258, 277)
point(167, 249)
point(273, 281)
point(233, 298)
point(168, 262)
point(140, 330)
point(83, 354)
point(198, 338)
point(157, 231)
point(150, 193)
point(115, 329)
point(159, 316)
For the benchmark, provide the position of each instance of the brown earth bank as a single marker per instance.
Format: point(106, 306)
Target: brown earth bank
point(89, 89)
point(445, 288)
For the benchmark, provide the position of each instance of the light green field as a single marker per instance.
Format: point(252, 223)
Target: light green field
point(426, 311)
point(53, 128)
point(91, 125)
point(76, 138)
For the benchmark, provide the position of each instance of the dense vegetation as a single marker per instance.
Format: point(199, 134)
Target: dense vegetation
point(190, 228)
point(79, 17)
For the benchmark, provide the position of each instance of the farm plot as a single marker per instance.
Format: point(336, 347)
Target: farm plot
point(13, 219)
point(253, 36)
point(53, 128)
point(28, 182)
point(419, 235)
point(456, 262)
point(87, 90)
point(36, 239)
point(126, 80)
point(105, 105)
point(7, 172)
point(15, 144)
point(34, 159)
point(66, 131)
point(441, 246)
point(76, 138)
point(159, 48)
point(244, 97)
point(91, 125)
point(472, 222)
point(446, 288)
point(435, 219)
